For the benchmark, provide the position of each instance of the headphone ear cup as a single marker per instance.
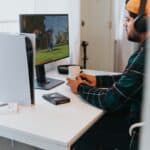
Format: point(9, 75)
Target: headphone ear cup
point(141, 24)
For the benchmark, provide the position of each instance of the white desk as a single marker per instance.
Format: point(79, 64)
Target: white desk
point(48, 126)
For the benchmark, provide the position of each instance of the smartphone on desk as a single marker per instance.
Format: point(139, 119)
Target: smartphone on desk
point(56, 98)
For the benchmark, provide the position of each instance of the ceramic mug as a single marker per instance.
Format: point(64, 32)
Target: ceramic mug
point(74, 71)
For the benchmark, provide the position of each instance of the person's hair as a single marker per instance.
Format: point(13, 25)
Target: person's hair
point(127, 1)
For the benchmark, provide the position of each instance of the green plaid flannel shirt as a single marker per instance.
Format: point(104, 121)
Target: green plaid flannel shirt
point(123, 92)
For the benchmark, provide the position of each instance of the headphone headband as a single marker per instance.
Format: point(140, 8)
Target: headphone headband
point(142, 7)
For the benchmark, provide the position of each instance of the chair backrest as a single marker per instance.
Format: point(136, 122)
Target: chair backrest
point(145, 132)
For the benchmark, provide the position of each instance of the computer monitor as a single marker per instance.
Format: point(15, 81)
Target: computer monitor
point(52, 42)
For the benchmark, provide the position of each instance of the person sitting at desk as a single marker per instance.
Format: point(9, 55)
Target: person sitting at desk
point(119, 95)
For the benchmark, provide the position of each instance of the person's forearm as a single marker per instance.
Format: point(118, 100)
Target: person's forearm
point(107, 99)
point(116, 96)
point(106, 80)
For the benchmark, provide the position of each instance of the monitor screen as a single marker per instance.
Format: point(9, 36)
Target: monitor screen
point(52, 42)
point(52, 36)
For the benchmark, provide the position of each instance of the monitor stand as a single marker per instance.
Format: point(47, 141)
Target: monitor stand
point(45, 83)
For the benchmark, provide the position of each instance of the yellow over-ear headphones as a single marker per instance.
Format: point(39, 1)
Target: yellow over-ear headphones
point(141, 8)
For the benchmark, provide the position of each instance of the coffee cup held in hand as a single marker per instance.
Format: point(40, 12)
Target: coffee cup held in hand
point(74, 71)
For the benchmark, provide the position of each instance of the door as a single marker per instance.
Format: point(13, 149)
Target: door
point(96, 29)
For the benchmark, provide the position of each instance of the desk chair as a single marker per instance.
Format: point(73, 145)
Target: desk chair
point(134, 131)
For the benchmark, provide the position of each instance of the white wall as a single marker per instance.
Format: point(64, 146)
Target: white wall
point(10, 10)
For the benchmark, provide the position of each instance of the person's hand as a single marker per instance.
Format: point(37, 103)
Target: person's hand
point(74, 83)
point(88, 79)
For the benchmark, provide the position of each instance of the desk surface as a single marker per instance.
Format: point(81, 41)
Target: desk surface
point(45, 125)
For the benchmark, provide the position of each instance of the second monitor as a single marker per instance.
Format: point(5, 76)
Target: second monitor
point(52, 42)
